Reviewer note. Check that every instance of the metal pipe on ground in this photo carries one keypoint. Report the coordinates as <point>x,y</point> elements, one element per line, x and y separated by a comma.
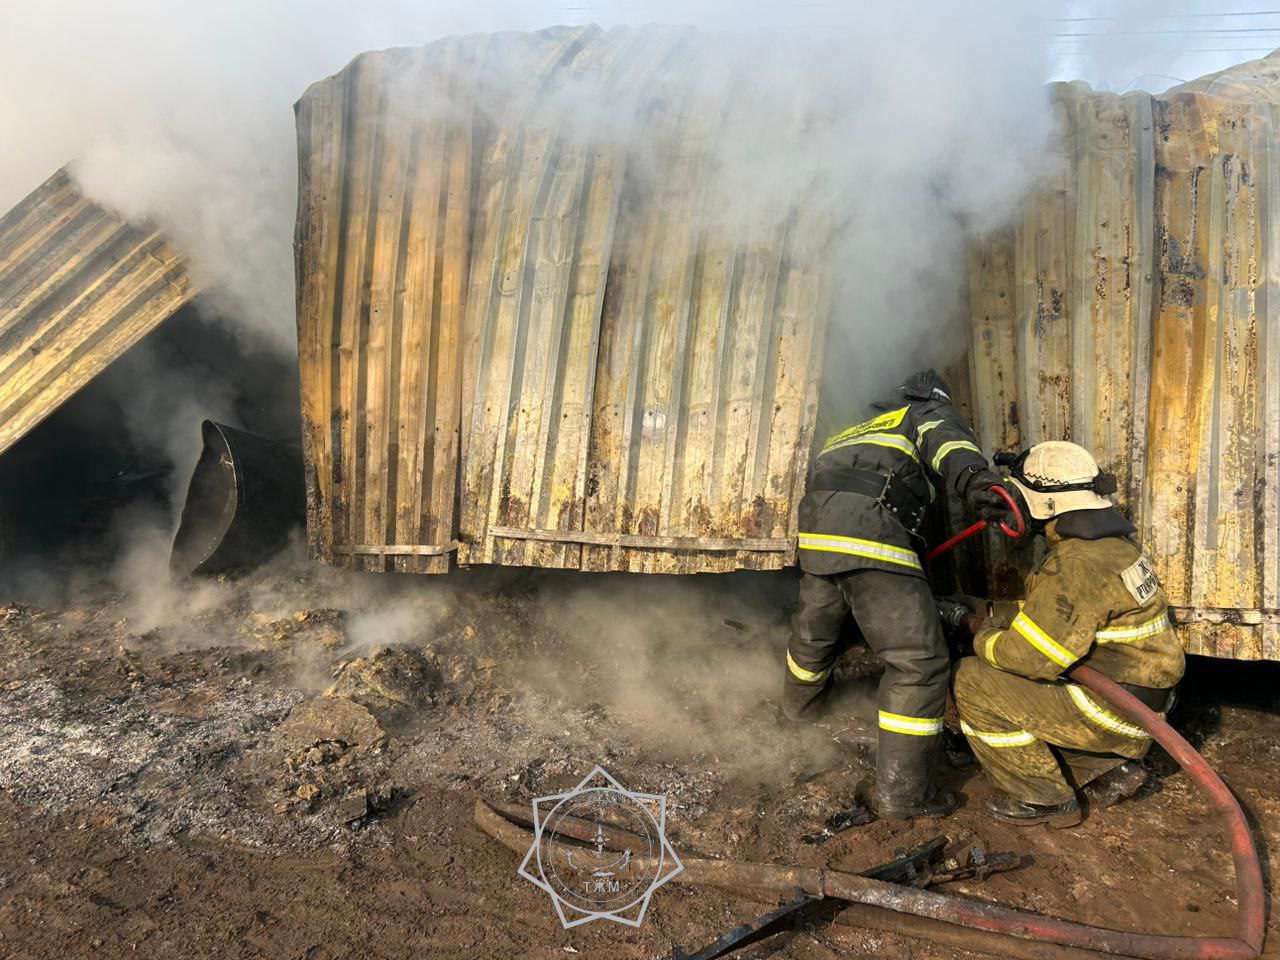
<point>974,922</point>
<point>770,883</point>
<point>246,495</point>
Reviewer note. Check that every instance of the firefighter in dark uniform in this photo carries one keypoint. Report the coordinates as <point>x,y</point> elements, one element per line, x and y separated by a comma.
<point>859,520</point>
<point>1095,598</point>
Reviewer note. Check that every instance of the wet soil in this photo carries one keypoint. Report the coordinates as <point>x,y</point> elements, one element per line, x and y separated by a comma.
<point>284,784</point>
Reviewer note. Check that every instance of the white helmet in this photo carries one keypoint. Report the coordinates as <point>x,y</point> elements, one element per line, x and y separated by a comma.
<point>1058,476</point>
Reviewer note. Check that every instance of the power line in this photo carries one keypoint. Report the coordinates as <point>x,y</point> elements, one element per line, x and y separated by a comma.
<point>1083,52</point>
<point>1165,41</point>
<point>1164,49</point>
<point>1143,76</point>
<point>1162,33</point>
<point>1170,16</point>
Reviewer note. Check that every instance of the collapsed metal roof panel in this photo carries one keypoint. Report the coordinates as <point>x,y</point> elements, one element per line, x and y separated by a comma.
<point>78,287</point>
<point>518,348</point>
<point>1135,308</point>
<point>1252,80</point>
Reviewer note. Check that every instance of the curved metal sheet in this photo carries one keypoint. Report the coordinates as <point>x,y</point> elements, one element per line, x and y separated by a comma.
<point>78,287</point>
<point>518,343</point>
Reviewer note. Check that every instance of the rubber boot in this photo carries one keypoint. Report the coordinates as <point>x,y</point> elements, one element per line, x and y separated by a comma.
<point>1116,785</point>
<point>907,779</point>
<point>1006,809</point>
<point>956,750</point>
<point>805,701</point>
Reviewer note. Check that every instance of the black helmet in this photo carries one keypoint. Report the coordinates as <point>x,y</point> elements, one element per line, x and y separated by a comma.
<point>925,385</point>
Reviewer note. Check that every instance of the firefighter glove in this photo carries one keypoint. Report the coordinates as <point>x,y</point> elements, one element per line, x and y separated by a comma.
<point>986,503</point>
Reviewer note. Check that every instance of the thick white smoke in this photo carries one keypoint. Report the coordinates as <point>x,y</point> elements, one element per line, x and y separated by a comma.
<point>182,113</point>
<point>923,124</point>
<point>926,123</point>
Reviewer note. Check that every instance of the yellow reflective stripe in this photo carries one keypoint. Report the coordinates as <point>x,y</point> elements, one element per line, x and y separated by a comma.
<point>893,441</point>
<point>1152,628</point>
<point>808,676</point>
<point>886,421</point>
<point>1105,718</point>
<point>925,428</point>
<point>989,648</point>
<point>869,549</point>
<point>915,726</point>
<point>1031,631</point>
<point>1017,738</point>
<point>951,447</point>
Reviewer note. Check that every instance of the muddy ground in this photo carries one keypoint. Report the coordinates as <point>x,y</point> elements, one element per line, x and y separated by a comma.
<point>284,765</point>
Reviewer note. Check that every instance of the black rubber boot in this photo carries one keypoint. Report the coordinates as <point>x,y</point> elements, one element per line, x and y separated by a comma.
<point>1116,785</point>
<point>941,804</point>
<point>1004,808</point>
<point>906,784</point>
<point>805,702</point>
<point>956,750</point>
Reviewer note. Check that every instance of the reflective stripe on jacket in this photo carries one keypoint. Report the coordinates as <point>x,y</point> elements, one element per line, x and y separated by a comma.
<point>1089,600</point>
<point>917,447</point>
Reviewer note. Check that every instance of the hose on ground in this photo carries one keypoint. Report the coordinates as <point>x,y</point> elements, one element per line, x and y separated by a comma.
<point>1008,925</point>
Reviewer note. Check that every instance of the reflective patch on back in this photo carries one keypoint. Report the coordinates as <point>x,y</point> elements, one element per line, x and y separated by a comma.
<point>886,421</point>
<point>1141,581</point>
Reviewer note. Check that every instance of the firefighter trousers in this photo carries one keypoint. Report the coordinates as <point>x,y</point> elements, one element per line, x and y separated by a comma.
<point>1039,740</point>
<point>897,615</point>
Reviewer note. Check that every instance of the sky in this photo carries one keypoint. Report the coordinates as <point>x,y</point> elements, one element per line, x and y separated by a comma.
<point>1118,45</point>
<point>1143,45</point>
<point>179,112</point>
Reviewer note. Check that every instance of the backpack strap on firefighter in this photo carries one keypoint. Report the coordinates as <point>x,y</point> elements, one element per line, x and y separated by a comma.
<point>884,489</point>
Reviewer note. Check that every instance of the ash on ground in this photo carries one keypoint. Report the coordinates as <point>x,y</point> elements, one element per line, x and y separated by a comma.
<point>298,704</point>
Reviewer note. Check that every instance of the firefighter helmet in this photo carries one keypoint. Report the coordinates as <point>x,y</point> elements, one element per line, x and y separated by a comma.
<point>925,385</point>
<point>1058,476</point>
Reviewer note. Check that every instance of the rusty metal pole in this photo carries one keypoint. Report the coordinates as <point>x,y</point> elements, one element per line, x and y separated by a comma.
<point>1005,921</point>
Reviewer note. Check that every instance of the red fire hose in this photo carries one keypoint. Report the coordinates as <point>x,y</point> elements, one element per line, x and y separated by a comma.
<point>1047,935</point>
<point>1250,892</point>
<point>994,918</point>
<point>1029,926</point>
<point>951,543</point>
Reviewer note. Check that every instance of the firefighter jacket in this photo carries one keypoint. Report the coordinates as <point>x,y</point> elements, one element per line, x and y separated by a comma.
<point>1094,599</point>
<point>873,482</point>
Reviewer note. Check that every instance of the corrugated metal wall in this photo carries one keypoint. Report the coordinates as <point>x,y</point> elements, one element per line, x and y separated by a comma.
<point>520,347</point>
<point>1133,309</point>
<point>78,287</point>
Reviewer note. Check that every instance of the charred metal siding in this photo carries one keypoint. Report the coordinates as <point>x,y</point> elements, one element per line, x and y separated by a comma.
<point>1134,309</point>
<point>78,287</point>
<point>515,349</point>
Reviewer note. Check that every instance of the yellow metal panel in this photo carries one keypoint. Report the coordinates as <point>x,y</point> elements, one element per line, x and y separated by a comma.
<point>1144,328</point>
<point>78,287</point>
<point>518,347</point>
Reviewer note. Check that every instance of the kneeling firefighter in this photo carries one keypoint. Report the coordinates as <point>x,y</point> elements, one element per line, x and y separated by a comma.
<point>1094,599</point>
<point>860,520</point>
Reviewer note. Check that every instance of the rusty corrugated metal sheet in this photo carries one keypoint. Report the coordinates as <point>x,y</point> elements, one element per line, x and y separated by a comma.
<point>1133,309</point>
<point>78,287</point>
<point>518,349</point>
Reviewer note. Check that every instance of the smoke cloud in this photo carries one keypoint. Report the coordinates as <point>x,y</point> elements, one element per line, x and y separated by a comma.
<point>183,114</point>
<point>915,125</point>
